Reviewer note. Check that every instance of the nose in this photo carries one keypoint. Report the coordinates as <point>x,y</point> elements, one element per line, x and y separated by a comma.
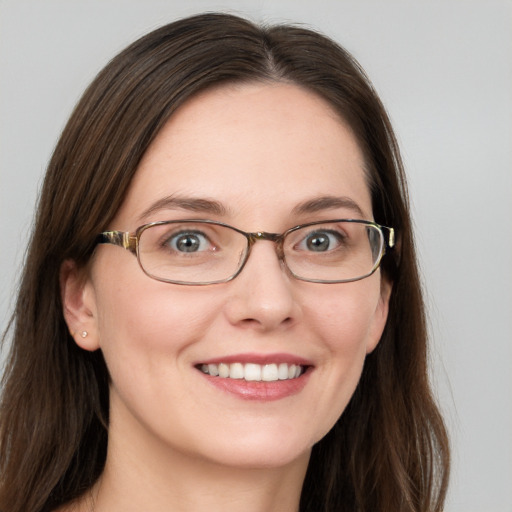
<point>263,296</point>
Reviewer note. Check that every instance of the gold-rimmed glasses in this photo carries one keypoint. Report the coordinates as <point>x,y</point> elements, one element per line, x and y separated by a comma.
<point>202,252</point>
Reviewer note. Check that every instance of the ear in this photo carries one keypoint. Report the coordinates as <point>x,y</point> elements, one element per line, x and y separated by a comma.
<point>79,307</point>
<point>380,316</point>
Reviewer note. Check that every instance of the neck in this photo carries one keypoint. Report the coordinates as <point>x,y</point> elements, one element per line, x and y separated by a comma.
<point>141,473</point>
<point>198,486</point>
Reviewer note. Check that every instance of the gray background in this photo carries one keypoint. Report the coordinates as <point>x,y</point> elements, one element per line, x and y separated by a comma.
<point>444,71</point>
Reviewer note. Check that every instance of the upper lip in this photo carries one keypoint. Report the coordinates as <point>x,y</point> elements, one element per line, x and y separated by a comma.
<point>256,358</point>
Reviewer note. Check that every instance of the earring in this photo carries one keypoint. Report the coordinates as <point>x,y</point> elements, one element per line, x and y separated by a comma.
<point>84,334</point>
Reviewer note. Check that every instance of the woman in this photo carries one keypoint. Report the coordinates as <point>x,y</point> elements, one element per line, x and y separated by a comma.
<point>261,343</point>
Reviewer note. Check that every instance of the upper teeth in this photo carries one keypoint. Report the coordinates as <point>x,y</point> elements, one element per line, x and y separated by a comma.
<point>254,372</point>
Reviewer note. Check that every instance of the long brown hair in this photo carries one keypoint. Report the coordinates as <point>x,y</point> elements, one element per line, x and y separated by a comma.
<point>389,449</point>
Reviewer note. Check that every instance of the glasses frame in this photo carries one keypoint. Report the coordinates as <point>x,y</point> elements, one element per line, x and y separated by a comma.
<point>130,241</point>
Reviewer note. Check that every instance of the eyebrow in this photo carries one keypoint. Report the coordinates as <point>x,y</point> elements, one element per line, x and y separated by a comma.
<point>211,206</point>
<point>327,203</point>
<point>201,205</point>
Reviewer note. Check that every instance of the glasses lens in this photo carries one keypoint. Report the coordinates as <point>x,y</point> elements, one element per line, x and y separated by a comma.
<point>334,251</point>
<point>191,252</point>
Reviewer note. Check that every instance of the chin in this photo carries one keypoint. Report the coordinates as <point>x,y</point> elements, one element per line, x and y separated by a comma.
<point>257,450</point>
<point>262,458</point>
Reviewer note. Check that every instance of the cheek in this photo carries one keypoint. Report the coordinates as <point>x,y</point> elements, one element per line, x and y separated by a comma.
<point>343,320</point>
<point>146,339</point>
<point>345,314</point>
<point>142,322</point>
<point>345,333</point>
<point>154,321</point>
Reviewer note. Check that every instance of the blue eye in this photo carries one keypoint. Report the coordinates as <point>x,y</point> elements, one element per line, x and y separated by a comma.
<point>190,241</point>
<point>321,241</point>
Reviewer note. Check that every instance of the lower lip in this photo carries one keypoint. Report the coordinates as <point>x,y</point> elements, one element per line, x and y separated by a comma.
<point>259,390</point>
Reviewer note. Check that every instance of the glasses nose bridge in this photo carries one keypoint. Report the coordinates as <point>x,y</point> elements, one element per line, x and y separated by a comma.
<point>277,238</point>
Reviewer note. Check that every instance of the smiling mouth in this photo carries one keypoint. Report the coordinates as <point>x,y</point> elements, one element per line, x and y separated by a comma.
<point>253,372</point>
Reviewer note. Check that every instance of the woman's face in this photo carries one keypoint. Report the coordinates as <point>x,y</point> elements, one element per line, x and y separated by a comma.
<point>260,157</point>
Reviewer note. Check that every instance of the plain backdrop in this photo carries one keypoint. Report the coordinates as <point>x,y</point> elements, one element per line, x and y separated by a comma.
<point>444,71</point>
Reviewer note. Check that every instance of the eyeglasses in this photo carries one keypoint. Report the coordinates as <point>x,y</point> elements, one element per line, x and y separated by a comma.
<point>201,252</point>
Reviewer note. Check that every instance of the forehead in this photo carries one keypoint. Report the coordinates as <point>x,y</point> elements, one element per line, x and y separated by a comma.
<point>251,147</point>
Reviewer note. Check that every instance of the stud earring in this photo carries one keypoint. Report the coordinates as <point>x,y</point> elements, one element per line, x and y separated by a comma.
<point>84,334</point>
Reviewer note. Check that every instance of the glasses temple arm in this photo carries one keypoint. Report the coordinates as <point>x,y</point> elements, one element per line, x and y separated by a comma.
<point>123,239</point>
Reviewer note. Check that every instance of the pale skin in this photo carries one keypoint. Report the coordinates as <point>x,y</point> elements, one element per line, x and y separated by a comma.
<point>175,441</point>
